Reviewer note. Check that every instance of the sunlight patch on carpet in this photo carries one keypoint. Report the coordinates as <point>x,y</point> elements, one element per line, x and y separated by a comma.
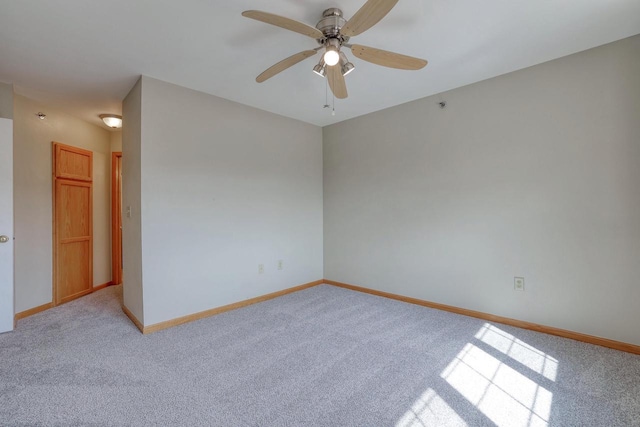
<point>505,395</point>
<point>531,357</point>
<point>430,410</point>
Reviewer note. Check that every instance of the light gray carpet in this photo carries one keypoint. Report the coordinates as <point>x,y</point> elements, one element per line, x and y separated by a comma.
<point>324,356</point>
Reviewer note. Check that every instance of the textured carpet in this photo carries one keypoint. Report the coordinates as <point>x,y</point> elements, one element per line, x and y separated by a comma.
<point>324,356</point>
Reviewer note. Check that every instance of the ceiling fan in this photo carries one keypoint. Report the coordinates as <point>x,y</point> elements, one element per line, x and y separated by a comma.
<point>332,33</point>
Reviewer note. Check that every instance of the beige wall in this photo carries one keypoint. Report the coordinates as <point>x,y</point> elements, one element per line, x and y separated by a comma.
<point>33,197</point>
<point>116,140</point>
<point>224,188</point>
<point>6,100</point>
<point>535,173</point>
<point>131,226</point>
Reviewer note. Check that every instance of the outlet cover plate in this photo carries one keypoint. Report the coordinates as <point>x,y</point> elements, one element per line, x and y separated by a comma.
<point>518,283</point>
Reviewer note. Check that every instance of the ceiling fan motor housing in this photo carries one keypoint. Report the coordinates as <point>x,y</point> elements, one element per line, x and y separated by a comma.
<point>331,23</point>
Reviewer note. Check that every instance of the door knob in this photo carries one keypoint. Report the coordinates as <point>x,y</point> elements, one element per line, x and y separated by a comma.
<point>4,239</point>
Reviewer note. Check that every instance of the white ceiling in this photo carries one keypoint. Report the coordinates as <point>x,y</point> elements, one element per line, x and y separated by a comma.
<point>84,55</point>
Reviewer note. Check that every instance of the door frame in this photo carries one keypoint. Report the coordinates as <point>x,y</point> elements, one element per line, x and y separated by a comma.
<point>116,218</point>
<point>7,226</point>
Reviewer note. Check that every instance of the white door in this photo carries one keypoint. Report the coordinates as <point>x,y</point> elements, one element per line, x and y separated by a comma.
<point>6,225</point>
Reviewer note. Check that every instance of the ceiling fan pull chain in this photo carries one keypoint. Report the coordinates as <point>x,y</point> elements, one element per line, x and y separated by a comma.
<point>333,110</point>
<point>326,96</point>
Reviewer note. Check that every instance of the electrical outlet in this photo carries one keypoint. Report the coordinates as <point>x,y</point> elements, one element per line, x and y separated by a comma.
<point>260,268</point>
<point>128,211</point>
<point>280,264</point>
<point>518,283</point>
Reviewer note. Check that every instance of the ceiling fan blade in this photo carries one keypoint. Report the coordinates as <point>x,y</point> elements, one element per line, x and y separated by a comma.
<point>336,81</point>
<point>367,16</point>
<point>386,58</point>
<point>282,22</point>
<point>284,64</point>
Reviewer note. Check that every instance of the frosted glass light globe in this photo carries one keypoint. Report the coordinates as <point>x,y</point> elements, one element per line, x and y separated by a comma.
<point>331,57</point>
<point>112,120</point>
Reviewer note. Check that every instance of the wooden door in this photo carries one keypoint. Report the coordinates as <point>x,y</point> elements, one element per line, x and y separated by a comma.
<point>72,223</point>
<point>6,225</point>
<point>116,217</point>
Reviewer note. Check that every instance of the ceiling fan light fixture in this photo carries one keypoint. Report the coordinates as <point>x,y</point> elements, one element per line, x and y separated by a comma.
<point>114,121</point>
<point>320,68</point>
<point>331,56</point>
<point>345,66</point>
